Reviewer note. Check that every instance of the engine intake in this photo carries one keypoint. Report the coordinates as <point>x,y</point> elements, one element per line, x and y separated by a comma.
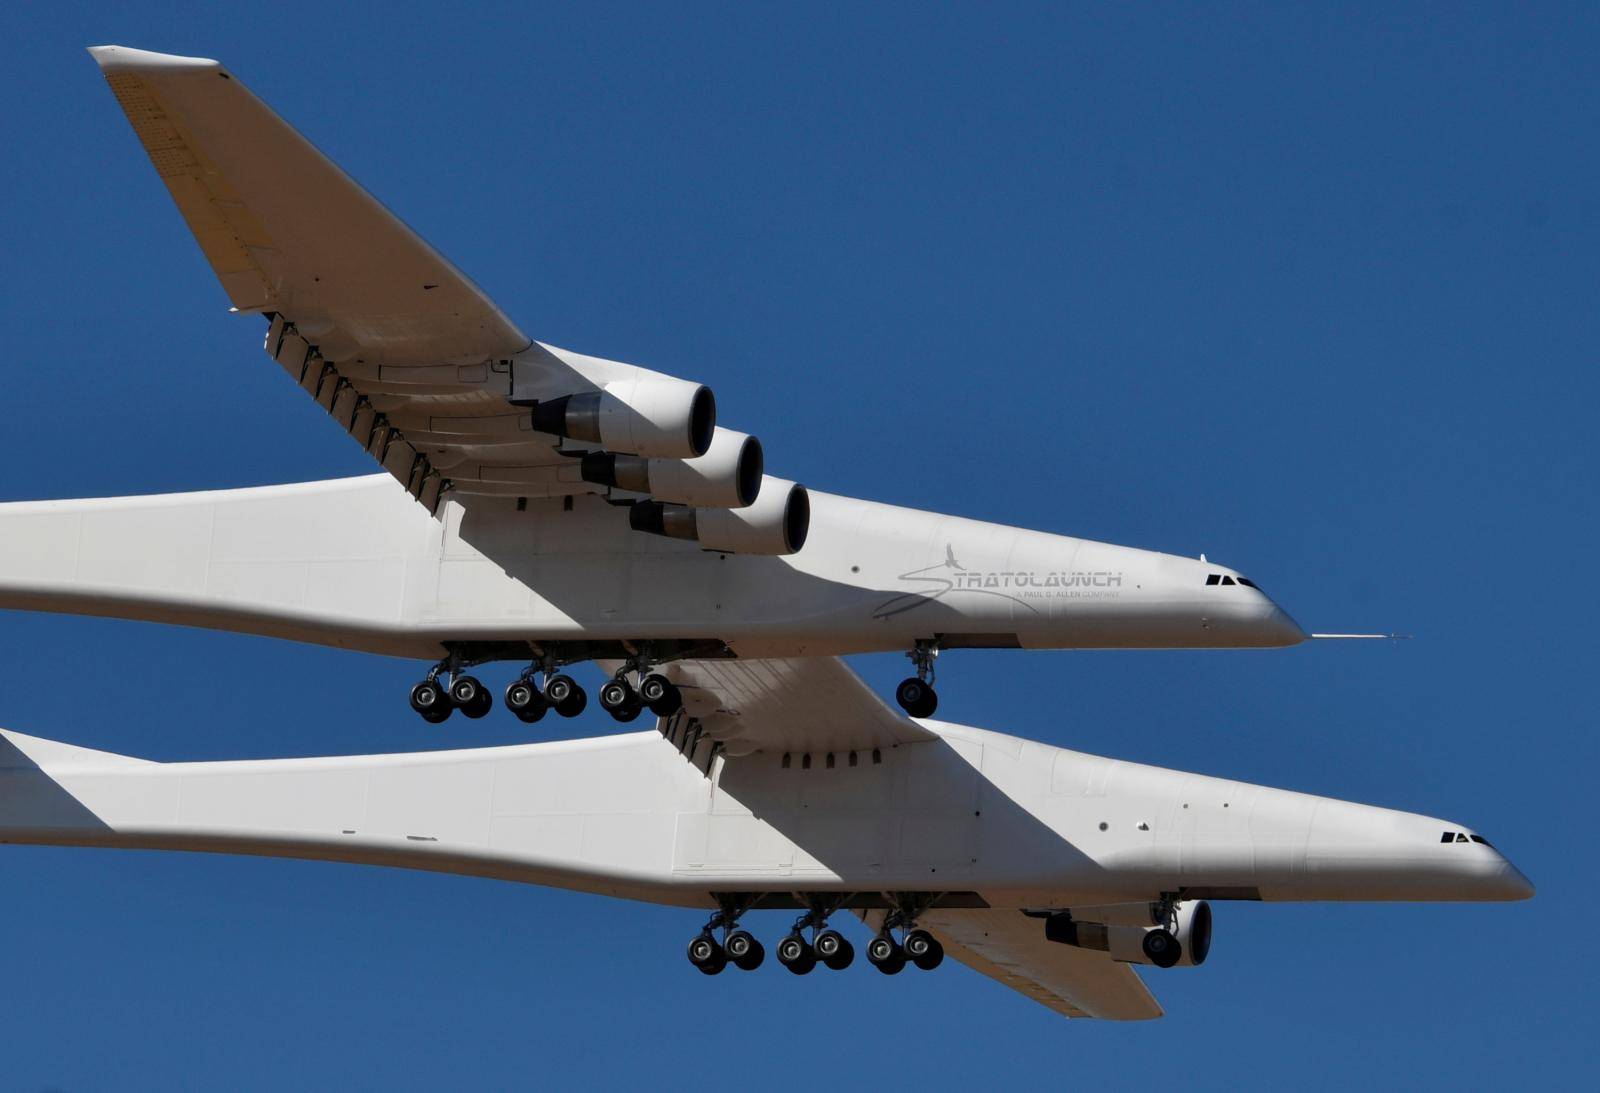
<point>658,417</point>
<point>776,523</point>
<point>728,476</point>
<point>1133,933</point>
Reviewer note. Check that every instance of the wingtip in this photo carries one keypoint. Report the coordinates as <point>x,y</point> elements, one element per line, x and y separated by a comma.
<point>125,58</point>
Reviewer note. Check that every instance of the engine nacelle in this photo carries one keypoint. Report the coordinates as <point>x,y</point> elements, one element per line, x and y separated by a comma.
<point>655,416</point>
<point>1133,932</point>
<point>777,523</point>
<point>727,476</point>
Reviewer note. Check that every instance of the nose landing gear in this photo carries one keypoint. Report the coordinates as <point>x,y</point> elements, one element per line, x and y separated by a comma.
<point>916,694</point>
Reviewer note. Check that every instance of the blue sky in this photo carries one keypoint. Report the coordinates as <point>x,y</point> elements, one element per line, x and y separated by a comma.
<point>1311,291</point>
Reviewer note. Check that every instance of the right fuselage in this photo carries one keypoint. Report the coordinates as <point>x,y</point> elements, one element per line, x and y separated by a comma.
<point>356,563</point>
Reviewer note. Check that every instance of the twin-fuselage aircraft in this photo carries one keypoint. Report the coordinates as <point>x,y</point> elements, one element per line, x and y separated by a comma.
<point>548,508</point>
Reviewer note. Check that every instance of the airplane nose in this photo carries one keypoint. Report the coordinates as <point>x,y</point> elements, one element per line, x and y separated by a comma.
<point>1283,628</point>
<point>1511,884</point>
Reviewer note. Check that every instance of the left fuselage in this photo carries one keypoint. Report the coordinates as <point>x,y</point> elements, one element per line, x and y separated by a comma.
<point>356,563</point>
<point>1007,822</point>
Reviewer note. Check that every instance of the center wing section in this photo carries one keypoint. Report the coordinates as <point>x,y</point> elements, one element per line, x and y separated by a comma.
<point>811,707</point>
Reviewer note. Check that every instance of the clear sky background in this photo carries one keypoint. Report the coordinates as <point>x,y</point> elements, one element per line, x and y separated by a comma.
<point>1310,291</point>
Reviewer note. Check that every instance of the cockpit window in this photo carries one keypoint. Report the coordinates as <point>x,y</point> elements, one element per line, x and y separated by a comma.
<point>1462,836</point>
<point>1223,578</point>
<point>1248,583</point>
<point>1213,578</point>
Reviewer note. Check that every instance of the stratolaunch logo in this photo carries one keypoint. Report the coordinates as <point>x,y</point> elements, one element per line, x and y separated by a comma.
<point>1018,586</point>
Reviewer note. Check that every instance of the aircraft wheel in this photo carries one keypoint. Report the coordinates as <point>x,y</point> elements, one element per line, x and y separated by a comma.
<point>524,700</point>
<point>660,694</point>
<point>565,695</point>
<point>885,954</point>
<point>707,955</point>
<point>617,699</point>
<point>468,695</point>
<point>429,700</point>
<point>916,697</point>
<point>1162,948</point>
<point>834,950</point>
<point>796,954</point>
<point>923,950</point>
<point>744,950</point>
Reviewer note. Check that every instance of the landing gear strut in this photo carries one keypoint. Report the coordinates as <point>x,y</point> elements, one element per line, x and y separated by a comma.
<point>827,946</point>
<point>737,947</point>
<point>435,701</point>
<point>917,946</point>
<point>654,692</point>
<point>916,695</point>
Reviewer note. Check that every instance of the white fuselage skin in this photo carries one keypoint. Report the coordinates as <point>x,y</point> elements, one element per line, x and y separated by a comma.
<point>356,563</point>
<point>1019,824</point>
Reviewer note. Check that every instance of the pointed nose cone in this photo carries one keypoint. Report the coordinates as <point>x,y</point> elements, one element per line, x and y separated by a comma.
<point>1511,884</point>
<point>1282,629</point>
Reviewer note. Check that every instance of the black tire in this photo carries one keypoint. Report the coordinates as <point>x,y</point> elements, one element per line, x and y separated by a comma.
<point>885,954</point>
<point>574,705</point>
<point>834,950</point>
<point>617,695</point>
<point>465,692</point>
<point>796,954</point>
<point>744,950</point>
<point>437,716</point>
<point>707,955</point>
<point>923,950</point>
<point>481,705</point>
<point>1162,948</point>
<point>524,699</point>
<point>916,697</point>
<point>428,697</point>
<point>627,713</point>
<point>563,693</point>
<point>660,695</point>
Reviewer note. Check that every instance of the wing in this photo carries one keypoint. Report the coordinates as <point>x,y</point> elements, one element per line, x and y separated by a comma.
<point>393,341</point>
<point>808,706</point>
<point>1011,947</point>
<point>287,231</point>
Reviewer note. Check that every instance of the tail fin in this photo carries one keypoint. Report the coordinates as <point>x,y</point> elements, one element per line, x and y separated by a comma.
<point>22,752</point>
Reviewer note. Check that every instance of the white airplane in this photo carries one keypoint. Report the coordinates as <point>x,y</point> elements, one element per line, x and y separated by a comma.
<point>788,784</point>
<point>539,505</point>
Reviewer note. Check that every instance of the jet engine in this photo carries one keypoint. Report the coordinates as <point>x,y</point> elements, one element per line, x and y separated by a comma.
<point>776,523</point>
<point>655,416</point>
<point>727,476</point>
<point>1135,933</point>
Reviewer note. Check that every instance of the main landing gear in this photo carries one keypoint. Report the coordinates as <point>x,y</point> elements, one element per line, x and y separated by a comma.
<point>827,946</point>
<point>655,692</point>
<point>636,687</point>
<point>916,695</point>
<point>737,947</point>
<point>560,693</point>
<point>435,701</point>
<point>915,946</point>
